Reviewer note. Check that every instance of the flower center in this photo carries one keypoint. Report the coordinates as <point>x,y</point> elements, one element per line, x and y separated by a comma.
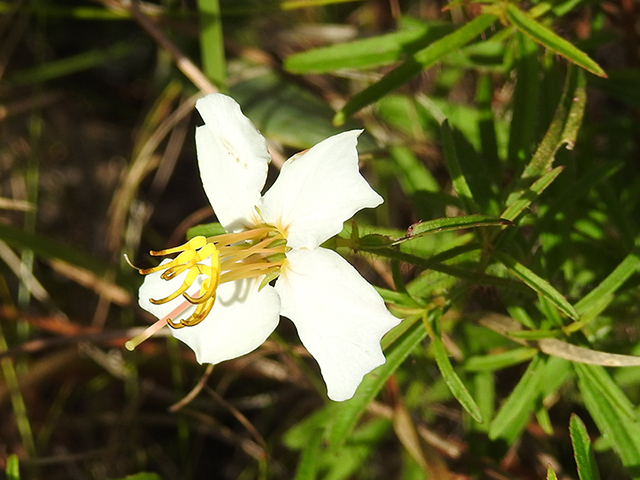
<point>223,258</point>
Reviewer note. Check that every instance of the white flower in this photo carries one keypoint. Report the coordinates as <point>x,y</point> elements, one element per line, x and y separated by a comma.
<point>218,288</point>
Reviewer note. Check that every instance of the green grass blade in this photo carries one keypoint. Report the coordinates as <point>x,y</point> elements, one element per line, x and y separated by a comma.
<point>551,474</point>
<point>514,414</point>
<point>550,40</point>
<point>583,450</point>
<point>451,378</point>
<point>48,248</point>
<point>368,52</point>
<point>12,469</point>
<point>417,63</point>
<point>544,288</point>
<point>346,414</point>
<point>212,42</point>
<point>67,66</point>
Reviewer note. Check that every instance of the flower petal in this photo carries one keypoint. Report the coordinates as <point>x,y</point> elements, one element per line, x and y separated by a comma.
<point>317,191</point>
<point>241,319</point>
<point>233,160</point>
<point>340,318</point>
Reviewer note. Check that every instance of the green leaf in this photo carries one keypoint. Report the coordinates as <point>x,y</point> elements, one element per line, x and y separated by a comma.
<point>522,199</point>
<point>550,40</point>
<point>514,414</point>
<point>551,474</point>
<point>582,449</point>
<point>142,476</point>
<point>69,65</point>
<point>525,101</point>
<point>451,378</point>
<point>212,42</point>
<point>309,462</point>
<point>458,179</point>
<point>609,409</point>
<point>564,126</point>
<point>50,249</point>
<point>538,284</point>
<point>369,52</point>
<point>413,66</point>
<point>596,376</point>
<point>205,230</point>
<point>415,174</point>
<point>285,112</point>
<point>606,288</point>
<point>497,361</point>
<point>346,414</point>
<point>12,469</point>
<point>451,223</point>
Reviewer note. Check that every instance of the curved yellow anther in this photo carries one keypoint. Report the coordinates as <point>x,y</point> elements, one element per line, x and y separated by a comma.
<point>193,244</point>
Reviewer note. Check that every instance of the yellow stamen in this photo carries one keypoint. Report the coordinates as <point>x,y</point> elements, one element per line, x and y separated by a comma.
<point>233,256</point>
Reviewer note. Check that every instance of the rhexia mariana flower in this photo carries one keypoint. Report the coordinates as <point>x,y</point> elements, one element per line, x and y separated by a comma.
<point>218,292</point>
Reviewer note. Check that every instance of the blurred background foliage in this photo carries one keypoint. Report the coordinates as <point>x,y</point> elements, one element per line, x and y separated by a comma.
<point>508,240</point>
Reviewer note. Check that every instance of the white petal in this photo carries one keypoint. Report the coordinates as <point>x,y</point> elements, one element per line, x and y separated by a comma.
<point>233,160</point>
<point>241,319</point>
<point>155,288</point>
<point>317,191</point>
<point>340,317</point>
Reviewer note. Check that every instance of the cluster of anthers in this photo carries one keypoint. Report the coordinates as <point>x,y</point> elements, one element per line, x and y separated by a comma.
<point>260,251</point>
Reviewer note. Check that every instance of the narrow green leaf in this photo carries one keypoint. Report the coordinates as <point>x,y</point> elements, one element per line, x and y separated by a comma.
<point>487,127</point>
<point>12,469</point>
<point>415,174</point>
<point>47,248</point>
<point>369,52</point>
<point>596,376</point>
<point>582,449</point>
<point>526,97</point>
<point>523,199</point>
<point>309,462</point>
<point>551,474</point>
<point>564,126</point>
<point>346,414</point>
<point>285,112</point>
<point>67,66</point>
<point>498,361</point>
<point>451,378</point>
<point>538,284</point>
<point>550,40</point>
<point>451,223</point>
<point>206,230</point>
<point>458,179</point>
<point>514,414</point>
<point>142,476</point>
<point>577,190</point>
<point>212,42</point>
<point>604,403</point>
<point>417,63</point>
<point>606,288</point>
